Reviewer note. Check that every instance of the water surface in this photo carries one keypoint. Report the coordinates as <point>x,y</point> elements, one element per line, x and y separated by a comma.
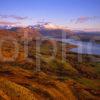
<point>84,47</point>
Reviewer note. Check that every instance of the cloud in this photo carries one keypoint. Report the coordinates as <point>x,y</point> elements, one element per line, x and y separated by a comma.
<point>83,19</point>
<point>14,17</point>
<point>92,29</point>
<point>18,17</point>
<point>8,23</point>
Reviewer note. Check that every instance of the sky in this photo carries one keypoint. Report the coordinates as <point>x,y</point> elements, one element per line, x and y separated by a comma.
<point>74,14</point>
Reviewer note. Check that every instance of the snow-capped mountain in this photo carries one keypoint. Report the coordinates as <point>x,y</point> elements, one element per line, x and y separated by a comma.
<point>5,27</point>
<point>47,26</point>
<point>51,30</point>
<point>45,29</point>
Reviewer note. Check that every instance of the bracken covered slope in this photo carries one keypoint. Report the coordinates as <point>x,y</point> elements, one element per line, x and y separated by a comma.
<point>56,79</point>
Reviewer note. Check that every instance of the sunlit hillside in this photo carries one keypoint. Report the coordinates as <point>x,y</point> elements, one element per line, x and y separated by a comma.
<point>56,80</point>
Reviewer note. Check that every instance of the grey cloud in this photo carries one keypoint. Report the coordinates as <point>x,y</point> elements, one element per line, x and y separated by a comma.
<point>8,23</point>
<point>14,17</point>
<point>83,19</point>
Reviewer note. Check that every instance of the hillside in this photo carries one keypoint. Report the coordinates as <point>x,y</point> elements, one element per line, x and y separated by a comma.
<point>56,80</point>
<point>87,36</point>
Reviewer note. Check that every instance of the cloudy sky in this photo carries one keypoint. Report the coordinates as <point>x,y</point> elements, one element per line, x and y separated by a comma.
<point>74,14</point>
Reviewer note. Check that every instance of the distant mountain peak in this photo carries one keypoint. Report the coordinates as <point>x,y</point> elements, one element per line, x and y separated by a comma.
<point>6,27</point>
<point>47,25</point>
<point>52,26</point>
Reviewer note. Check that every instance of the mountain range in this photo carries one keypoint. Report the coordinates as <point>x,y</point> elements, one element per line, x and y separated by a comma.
<point>50,30</point>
